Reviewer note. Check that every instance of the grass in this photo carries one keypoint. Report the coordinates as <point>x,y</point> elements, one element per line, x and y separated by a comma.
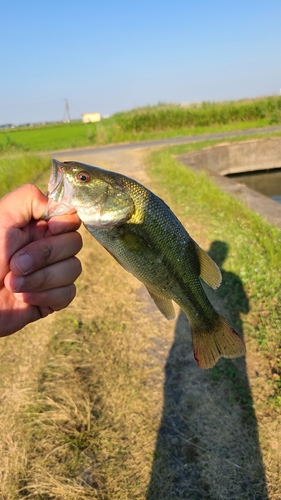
<point>47,137</point>
<point>204,114</point>
<point>113,406</point>
<point>89,426</point>
<point>152,122</point>
<point>92,439</point>
<point>250,233</point>
<point>72,442</point>
<point>15,171</point>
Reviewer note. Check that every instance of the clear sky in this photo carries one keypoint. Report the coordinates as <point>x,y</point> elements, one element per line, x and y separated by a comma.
<point>114,55</point>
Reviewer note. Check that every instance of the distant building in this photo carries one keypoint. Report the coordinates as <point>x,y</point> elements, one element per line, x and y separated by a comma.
<point>90,117</point>
<point>7,125</point>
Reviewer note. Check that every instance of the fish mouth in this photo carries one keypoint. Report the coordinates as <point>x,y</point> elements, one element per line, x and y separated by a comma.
<point>55,184</point>
<point>59,193</point>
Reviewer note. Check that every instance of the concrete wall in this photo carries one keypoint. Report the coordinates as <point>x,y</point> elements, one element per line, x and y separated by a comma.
<point>238,157</point>
<point>241,157</point>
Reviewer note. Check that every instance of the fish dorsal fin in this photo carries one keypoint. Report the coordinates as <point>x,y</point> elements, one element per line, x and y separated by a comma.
<point>164,304</point>
<point>209,271</point>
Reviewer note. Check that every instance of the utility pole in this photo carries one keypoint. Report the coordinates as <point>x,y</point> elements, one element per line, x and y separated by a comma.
<point>66,115</point>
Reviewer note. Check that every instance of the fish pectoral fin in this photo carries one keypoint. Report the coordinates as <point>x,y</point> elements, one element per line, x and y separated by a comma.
<point>209,271</point>
<point>164,304</point>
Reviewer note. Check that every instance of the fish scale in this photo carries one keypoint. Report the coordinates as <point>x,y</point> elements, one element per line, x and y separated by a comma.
<point>161,257</point>
<point>144,236</point>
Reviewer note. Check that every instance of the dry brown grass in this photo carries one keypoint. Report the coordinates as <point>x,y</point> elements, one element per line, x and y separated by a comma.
<point>90,427</point>
<point>20,361</point>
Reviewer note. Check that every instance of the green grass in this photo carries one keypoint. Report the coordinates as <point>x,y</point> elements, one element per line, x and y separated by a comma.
<point>205,114</point>
<point>20,170</point>
<point>253,245</point>
<point>152,122</point>
<point>47,137</point>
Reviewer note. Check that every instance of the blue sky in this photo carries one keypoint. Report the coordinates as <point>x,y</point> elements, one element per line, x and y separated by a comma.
<point>110,56</point>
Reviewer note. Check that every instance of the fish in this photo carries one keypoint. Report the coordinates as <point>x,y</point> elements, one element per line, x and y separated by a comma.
<point>145,237</point>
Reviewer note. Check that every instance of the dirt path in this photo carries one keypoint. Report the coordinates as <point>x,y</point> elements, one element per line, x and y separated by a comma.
<point>181,433</point>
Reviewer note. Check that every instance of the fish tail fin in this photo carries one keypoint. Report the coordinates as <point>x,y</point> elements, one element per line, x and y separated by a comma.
<point>221,341</point>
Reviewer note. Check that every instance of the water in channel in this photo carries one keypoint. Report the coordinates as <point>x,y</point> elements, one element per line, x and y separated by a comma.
<point>267,182</point>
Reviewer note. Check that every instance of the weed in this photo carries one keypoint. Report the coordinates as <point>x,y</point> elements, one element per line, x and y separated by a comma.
<point>161,121</point>
<point>11,146</point>
<point>15,171</point>
<point>204,115</point>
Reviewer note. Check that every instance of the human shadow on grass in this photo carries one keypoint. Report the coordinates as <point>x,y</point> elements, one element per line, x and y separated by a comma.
<point>207,445</point>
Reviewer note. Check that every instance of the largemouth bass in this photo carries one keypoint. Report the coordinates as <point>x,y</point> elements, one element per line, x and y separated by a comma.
<point>141,232</point>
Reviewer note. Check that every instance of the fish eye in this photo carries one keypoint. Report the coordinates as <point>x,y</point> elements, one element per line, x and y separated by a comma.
<point>83,177</point>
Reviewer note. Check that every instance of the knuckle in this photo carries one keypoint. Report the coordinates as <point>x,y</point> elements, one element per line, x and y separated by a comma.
<point>46,252</point>
<point>72,293</point>
<point>79,241</point>
<point>77,266</point>
<point>44,278</point>
<point>67,295</point>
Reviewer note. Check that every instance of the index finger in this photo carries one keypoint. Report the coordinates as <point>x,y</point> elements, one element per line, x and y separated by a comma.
<point>64,223</point>
<point>45,251</point>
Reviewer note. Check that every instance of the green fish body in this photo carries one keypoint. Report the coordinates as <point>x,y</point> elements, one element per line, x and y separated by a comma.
<point>141,232</point>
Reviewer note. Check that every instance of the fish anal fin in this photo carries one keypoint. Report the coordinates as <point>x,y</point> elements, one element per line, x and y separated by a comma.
<point>164,304</point>
<point>209,271</point>
<point>221,342</point>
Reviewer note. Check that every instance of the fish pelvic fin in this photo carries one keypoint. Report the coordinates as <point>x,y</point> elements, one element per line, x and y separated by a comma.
<point>220,342</point>
<point>164,304</point>
<point>209,271</point>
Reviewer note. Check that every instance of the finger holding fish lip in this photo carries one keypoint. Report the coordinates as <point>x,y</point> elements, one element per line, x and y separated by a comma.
<point>64,223</point>
<point>54,276</point>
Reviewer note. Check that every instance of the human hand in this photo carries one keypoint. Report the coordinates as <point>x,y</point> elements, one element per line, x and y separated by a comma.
<point>38,266</point>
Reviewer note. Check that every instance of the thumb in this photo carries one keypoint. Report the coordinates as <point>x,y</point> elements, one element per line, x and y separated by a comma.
<point>17,209</point>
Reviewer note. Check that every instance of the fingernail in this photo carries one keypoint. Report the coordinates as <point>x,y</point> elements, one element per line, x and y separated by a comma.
<point>24,263</point>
